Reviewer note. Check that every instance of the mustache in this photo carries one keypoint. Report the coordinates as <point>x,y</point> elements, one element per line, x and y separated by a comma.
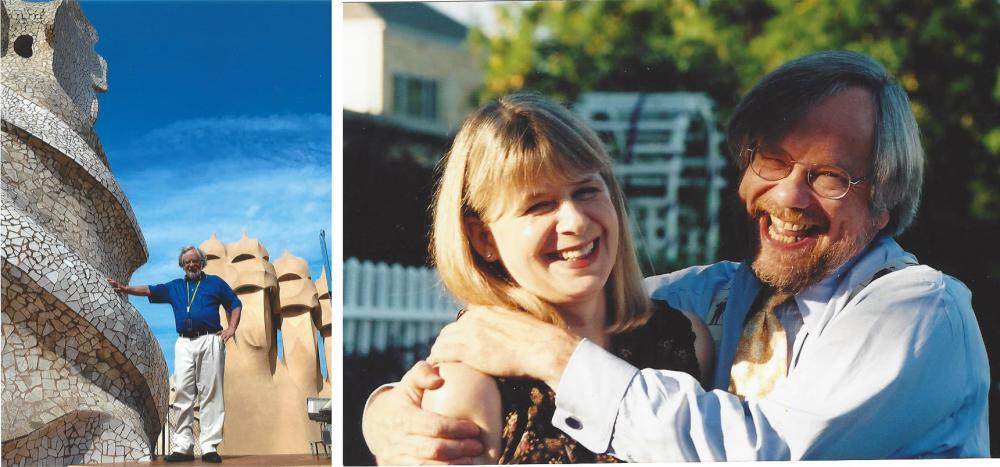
<point>795,215</point>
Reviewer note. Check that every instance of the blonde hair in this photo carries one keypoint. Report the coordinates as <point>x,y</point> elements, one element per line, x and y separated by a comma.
<point>509,144</point>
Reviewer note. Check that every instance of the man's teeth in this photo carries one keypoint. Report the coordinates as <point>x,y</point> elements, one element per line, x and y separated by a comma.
<point>577,254</point>
<point>784,225</point>
<point>781,238</point>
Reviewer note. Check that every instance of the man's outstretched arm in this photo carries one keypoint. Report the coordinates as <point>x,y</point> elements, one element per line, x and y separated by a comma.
<point>140,290</point>
<point>856,393</point>
<point>399,432</point>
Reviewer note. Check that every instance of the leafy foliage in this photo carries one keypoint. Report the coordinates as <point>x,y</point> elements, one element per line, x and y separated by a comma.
<point>947,56</point>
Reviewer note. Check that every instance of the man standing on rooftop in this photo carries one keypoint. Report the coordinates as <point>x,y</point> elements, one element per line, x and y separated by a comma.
<point>200,351</point>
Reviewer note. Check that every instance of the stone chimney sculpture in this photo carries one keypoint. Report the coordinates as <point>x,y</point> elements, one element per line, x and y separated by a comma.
<point>84,380</point>
<point>265,395</point>
<point>324,323</point>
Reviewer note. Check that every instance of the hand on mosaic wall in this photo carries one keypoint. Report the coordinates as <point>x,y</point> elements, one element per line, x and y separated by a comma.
<point>141,290</point>
<point>117,286</point>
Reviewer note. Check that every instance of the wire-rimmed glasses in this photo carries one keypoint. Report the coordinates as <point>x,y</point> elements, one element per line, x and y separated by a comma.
<point>828,181</point>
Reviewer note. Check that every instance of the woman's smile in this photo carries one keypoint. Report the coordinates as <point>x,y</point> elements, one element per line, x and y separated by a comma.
<point>559,241</point>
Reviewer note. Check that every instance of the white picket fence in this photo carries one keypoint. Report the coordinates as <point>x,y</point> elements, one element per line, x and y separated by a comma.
<point>392,307</point>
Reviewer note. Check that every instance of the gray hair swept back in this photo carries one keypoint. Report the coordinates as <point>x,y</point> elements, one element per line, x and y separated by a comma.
<point>188,248</point>
<point>786,94</point>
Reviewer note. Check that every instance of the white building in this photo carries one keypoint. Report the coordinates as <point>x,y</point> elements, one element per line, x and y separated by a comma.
<point>410,64</point>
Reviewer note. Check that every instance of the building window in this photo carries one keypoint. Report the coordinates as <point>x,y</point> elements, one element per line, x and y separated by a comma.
<point>415,97</point>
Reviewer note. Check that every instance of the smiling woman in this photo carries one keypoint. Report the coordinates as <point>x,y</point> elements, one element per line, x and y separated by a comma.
<point>560,239</point>
<point>529,217</point>
<point>524,164</point>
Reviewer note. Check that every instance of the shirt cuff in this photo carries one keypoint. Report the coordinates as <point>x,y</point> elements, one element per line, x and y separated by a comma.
<point>589,394</point>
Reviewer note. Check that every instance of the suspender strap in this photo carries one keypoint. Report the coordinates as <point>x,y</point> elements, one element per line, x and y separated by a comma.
<point>721,298</point>
<point>892,266</point>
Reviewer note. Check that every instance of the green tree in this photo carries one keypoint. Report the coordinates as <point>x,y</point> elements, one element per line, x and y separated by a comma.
<point>564,48</point>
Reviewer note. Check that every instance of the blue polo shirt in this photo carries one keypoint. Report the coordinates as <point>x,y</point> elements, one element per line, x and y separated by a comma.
<point>206,296</point>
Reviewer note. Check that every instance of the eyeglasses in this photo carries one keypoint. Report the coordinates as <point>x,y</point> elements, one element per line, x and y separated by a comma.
<point>828,181</point>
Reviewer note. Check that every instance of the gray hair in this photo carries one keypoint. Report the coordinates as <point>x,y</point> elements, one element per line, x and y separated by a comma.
<point>188,248</point>
<point>786,94</point>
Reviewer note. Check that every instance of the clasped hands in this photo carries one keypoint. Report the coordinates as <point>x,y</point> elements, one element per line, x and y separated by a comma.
<point>493,341</point>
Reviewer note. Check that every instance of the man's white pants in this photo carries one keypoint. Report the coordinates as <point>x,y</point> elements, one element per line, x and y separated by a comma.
<point>199,366</point>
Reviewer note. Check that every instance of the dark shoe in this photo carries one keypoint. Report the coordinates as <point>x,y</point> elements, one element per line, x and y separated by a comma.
<point>178,457</point>
<point>212,457</point>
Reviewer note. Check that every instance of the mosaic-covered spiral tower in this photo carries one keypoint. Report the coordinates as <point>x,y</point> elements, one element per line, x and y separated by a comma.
<point>84,379</point>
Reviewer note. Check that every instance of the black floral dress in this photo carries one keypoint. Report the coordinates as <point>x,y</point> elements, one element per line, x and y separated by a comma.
<point>665,342</point>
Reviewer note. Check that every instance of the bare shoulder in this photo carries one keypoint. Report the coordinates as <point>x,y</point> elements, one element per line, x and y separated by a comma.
<point>469,394</point>
<point>465,391</point>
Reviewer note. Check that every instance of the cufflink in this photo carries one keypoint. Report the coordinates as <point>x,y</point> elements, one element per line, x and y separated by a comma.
<point>573,423</point>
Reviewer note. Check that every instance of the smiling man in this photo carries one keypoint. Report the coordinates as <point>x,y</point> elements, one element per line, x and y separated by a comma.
<point>833,342</point>
<point>200,352</point>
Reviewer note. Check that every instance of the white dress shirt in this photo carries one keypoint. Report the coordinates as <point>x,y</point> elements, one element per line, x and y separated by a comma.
<point>892,369</point>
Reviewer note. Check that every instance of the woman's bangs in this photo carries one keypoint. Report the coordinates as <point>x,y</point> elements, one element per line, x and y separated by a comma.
<point>523,169</point>
<point>518,153</point>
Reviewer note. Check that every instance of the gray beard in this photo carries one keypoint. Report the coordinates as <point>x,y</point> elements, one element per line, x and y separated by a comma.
<point>795,273</point>
<point>192,276</point>
<point>792,280</point>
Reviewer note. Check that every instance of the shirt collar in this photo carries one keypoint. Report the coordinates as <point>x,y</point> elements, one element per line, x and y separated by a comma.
<point>818,298</point>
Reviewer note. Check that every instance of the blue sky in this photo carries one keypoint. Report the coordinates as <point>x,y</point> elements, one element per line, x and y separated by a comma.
<point>217,119</point>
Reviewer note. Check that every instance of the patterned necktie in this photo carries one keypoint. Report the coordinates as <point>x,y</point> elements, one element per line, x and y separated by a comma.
<point>761,360</point>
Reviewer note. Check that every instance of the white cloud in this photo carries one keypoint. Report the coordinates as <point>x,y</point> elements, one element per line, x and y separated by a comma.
<point>222,143</point>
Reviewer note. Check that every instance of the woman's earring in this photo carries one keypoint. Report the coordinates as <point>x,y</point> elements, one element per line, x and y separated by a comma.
<point>489,255</point>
